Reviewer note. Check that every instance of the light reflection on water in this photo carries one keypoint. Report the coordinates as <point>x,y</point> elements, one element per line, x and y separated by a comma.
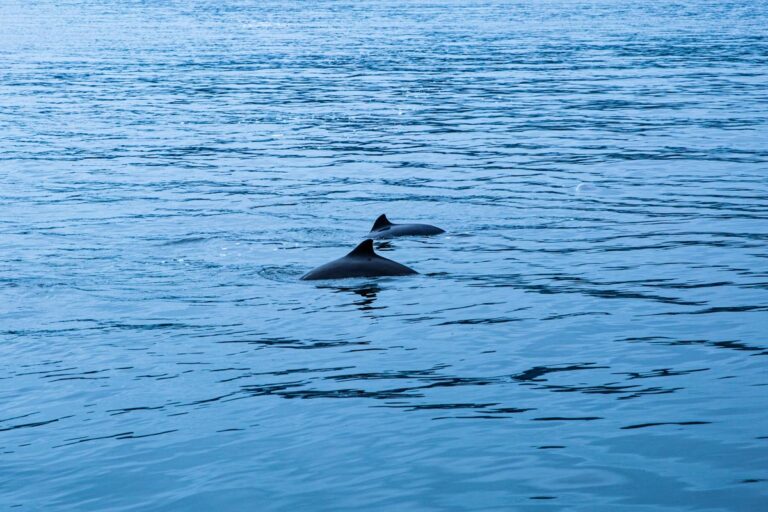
<point>588,335</point>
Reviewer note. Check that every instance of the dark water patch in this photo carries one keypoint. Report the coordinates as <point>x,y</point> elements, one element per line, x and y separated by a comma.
<point>171,172</point>
<point>118,436</point>
<point>659,424</point>
<point>535,374</point>
<point>17,417</point>
<point>32,424</point>
<point>553,288</point>
<point>726,344</point>
<point>662,372</point>
<point>561,418</point>
<point>719,309</point>
<point>116,412</point>
<point>471,321</point>
<point>279,342</point>
<point>185,241</point>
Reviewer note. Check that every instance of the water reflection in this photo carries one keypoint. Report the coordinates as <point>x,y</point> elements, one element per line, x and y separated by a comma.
<point>368,292</point>
<point>602,283</point>
<point>384,246</point>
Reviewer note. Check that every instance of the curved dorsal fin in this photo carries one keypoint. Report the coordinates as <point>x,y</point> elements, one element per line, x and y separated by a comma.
<point>364,249</point>
<point>381,223</point>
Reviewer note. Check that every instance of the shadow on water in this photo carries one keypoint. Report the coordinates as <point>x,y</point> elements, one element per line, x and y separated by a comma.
<point>175,171</point>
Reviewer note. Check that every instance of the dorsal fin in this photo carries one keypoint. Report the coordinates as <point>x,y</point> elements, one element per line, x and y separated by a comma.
<point>364,249</point>
<point>381,223</point>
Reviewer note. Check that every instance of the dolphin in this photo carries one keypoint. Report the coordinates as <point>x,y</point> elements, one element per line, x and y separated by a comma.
<point>361,262</point>
<point>382,228</point>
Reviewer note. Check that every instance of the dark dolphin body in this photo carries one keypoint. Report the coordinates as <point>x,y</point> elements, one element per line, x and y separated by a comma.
<point>382,228</point>
<point>361,262</point>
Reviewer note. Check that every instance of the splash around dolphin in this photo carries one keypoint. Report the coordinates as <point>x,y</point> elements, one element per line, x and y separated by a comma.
<point>361,262</point>
<point>383,228</point>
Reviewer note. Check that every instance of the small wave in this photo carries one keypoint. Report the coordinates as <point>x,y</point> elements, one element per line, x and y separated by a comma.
<point>185,241</point>
<point>281,274</point>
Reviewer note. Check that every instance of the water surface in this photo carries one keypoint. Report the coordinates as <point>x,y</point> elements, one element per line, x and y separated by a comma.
<point>590,333</point>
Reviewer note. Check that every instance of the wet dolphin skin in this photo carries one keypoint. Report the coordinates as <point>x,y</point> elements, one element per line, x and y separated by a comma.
<point>383,228</point>
<point>361,262</point>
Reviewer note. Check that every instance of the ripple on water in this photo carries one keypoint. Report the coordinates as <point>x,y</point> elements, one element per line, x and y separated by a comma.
<point>587,335</point>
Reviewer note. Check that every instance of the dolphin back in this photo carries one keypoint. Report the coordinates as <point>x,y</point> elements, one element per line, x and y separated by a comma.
<point>362,261</point>
<point>394,230</point>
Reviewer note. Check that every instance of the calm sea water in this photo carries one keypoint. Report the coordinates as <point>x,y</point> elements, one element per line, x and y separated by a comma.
<point>589,335</point>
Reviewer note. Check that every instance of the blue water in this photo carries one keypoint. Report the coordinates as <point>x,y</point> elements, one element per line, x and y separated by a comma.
<point>589,335</point>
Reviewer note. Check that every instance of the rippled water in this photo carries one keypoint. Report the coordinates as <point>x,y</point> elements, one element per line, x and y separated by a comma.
<point>589,335</point>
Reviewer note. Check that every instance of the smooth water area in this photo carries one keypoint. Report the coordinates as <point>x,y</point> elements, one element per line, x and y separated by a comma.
<point>590,334</point>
